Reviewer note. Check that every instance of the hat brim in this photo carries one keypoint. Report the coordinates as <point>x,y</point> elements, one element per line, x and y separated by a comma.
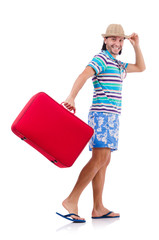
<point>115,35</point>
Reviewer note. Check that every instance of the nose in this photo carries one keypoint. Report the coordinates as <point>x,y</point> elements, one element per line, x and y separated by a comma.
<point>117,43</point>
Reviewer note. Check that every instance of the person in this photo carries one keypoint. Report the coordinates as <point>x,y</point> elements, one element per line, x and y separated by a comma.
<point>107,75</point>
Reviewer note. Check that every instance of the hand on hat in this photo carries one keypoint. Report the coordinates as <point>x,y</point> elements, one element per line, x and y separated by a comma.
<point>134,39</point>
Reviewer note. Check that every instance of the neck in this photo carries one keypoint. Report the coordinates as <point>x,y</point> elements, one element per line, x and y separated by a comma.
<point>113,55</point>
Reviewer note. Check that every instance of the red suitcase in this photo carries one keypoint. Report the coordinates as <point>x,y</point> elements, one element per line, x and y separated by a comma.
<point>52,130</point>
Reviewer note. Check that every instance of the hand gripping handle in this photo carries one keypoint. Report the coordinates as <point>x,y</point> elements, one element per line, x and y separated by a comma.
<point>74,110</point>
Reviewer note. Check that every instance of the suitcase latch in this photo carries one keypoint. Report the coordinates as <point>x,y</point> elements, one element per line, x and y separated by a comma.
<point>23,138</point>
<point>54,161</point>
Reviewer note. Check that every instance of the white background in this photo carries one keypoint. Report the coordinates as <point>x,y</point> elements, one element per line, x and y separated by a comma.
<point>44,46</point>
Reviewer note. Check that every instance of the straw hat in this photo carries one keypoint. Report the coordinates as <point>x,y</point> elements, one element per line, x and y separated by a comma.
<point>114,30</point>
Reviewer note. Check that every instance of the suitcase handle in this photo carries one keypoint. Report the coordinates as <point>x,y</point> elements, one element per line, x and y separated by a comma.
<point>74,111</point>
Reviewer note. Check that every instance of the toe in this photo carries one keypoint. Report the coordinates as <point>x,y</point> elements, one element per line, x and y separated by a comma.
<point>114,214</point>
<point>77,217</point>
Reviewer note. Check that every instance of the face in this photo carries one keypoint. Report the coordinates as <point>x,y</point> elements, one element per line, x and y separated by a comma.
<point>114,44</point>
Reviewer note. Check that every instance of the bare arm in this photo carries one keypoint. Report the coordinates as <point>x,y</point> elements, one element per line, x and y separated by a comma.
<point>80,81</point>
<point>139,66</point>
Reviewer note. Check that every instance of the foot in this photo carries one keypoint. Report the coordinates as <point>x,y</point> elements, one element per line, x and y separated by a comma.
<point>102,211</point>
<point>71,208</point>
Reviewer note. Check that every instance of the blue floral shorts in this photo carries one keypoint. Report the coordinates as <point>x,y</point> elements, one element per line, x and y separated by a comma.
<point>106,130</point>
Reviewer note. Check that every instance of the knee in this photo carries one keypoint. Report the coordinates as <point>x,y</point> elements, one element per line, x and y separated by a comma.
<point>103,161</point>
<point>107,161</point>
<point>102,158</point>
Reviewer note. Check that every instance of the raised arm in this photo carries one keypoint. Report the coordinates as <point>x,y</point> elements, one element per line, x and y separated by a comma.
<point>139,66</point>
<point>80,81</point>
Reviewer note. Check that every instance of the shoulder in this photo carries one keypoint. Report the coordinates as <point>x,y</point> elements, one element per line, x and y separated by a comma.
<point>102,53</point>
<point>101,56</point>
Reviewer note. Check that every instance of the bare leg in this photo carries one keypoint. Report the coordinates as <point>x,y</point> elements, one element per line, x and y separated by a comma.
<point>98,160</point>
<point>98,185</point>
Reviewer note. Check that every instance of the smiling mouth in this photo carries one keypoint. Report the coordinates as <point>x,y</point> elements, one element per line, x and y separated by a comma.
<point>115,48</point>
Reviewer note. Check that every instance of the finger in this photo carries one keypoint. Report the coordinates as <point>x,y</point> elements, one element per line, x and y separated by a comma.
<point>132,35</point>
<point>129,38</point>
<point>70,107</point>
<point>67,104</point>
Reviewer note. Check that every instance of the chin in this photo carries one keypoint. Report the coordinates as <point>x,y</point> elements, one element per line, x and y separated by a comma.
<point>114,53</point>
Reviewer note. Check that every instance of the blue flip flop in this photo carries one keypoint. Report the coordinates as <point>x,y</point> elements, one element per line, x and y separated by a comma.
<point>106,216</point>
<point>68,217</point>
